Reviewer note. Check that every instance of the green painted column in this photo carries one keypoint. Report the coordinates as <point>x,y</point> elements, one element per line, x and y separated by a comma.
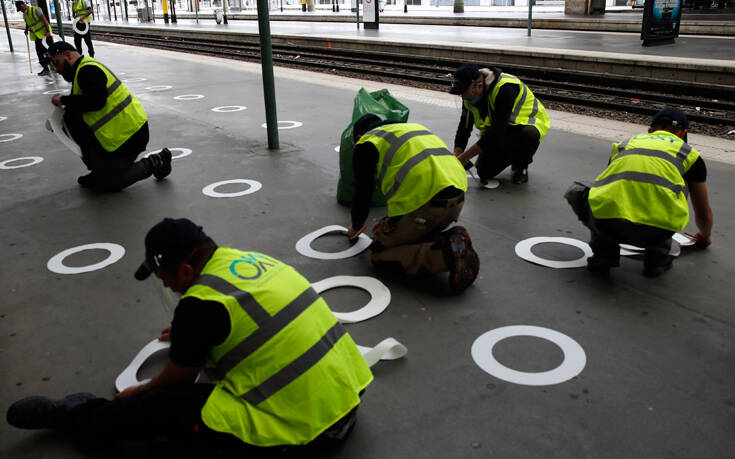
<point>266,62</point>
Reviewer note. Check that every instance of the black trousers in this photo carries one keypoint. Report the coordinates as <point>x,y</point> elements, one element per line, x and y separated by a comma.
<point>607,234</point>
<point>174,413</point>
<point>43,58</point>
<point>515,150</point>
<point>111,171</point>
<point>87,39</point>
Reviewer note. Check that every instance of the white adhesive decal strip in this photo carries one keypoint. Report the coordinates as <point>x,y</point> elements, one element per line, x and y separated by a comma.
<point>303,246</point>
<point>183,152</point>
<point>77,29</point>
<point>55,124</point>
<point>523,250</point>
<point>290,125</point>
<point>189,97</point>
<point>388,349</point>
<point>3,118</point>
<point>32,161</point>
<point>573,363</point>
<point>254,186</point>
<point>491,184</point>
<point>55,91</point>
<point>160,87</point>
<point>56,263</point>
<point>129,376</point>
<point>10,138</point>
<point>229,108</point>
<point>379,296</point>
<point>683,239</point>
<point>336,148</point>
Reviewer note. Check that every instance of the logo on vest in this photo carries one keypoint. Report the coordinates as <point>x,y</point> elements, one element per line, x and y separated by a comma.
<point>252,266</point>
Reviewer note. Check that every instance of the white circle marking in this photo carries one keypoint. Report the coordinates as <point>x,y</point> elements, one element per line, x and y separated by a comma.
<point>160,87</point>
<point>523,250</point>
<point>134,80</point>
<point>303,245</point>
<point>12,137</point>
<point>189,97</point>
<point>379,296</point>
<point>573,363</point>
<point>55,91</point>
<point>253,187</point>
<point>184,152</point>
<point>56,263</point>
<point>3,118</point>
<point>290,125</point>
<point>229,108</point>
<point>33,160</point>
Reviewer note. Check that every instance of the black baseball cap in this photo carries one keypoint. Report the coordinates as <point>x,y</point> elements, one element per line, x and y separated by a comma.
<point>465,75</point>
<point>59,47</point>
<point>169,242</point>
<point>18,4</point>
<point>366,123</point>
<point>672,116</point>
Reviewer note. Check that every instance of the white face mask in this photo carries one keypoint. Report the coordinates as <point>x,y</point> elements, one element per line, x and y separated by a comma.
<point>169,298</point>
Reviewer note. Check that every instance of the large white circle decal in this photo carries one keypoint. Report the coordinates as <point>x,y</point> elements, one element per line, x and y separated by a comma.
<point>523,250</point>
<point>573,363</point>
<point>56,263</point>
<point>286,124</point>
<point>33,160</point>
<point>55,91</point>
<point>229,108</point>
<point>379,296</point>
<point>303,246</point>
<point>182,152</point>
<point>189,97</point>
<point>161,87</point>
<point>253,187</point>
<point>10,138</point>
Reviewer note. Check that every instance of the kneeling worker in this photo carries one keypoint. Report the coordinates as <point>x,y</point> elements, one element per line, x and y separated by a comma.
<point>285,371</point>
<point>640,198</point>
<point>107,122</point>
<point>511,120</point>
<point>424,185</point>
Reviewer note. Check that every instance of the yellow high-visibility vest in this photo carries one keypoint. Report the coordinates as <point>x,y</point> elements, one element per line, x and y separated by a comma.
<point>288,370</point>
<point>644,182</point>
<point>36,28</point>
<point>413,165</point>
<point>80,9</point>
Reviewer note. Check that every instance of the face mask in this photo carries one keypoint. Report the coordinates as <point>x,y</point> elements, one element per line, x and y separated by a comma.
<point>476,100</point>
<point>68,72</point>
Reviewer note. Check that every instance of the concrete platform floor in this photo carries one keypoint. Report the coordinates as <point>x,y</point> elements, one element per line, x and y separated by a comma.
<point>660,353</point>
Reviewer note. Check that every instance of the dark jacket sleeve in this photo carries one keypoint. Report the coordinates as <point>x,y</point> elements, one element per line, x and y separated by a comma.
<point>364,165</point>
<point>93,83</point>
<point>464,129</point>
<point>494,136</point>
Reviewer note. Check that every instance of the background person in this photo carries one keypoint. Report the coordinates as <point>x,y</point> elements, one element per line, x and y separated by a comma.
<point>424,185</point>
<point>511,120</point>
<point>640,199</point>
<point>37,27</point>
<point>82,10</point>
<point>107,121</point>
<point>284,370</point>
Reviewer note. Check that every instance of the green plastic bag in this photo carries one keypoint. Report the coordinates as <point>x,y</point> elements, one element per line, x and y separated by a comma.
<point>387,107</point>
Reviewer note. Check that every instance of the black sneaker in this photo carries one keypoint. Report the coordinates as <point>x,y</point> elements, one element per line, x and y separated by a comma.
<point>519,176</point>
<point>461,259</point>
<point>655,271</point>
<point>162,164</point>
<point>42,412</point>
<point>598,266</point>
<point>44,72</point>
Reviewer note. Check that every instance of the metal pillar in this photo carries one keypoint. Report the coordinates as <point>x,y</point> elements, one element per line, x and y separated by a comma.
<point>266,62</point>
<point>165,11</point>
<point>127,17</point>
<point>7,28</point>
<point>109,14</point>
<point>530,7</point>
<point>57,7</point>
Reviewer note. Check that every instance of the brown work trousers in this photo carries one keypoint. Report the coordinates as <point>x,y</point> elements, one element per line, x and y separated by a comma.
<point>411,239</point>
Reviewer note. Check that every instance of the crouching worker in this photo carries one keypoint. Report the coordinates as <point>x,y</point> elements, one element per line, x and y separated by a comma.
<point>285,371</point>
<point>424,185</point>
<point>640,198</point>
<point>107,122</point>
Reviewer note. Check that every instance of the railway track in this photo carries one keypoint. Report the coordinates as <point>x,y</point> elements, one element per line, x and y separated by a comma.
<point>707,104</point>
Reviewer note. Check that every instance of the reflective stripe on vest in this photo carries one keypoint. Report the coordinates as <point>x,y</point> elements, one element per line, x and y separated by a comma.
<point>283,344</point>
<point>120,118</point>
<point>32,17</point>
<point>410,152</point>
<point>80,9</point>
<point>527,110</point>
<point>644,182</point>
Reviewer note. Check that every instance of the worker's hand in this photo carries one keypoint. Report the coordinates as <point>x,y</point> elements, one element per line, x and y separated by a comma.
<point>458,151</point>
<point>352,233</point>
<point>129,391</point>
<point>702,241</point>
<point>56,100</point>
<point>165,334</point>
<point>376,226</point>
<point>48,34</point>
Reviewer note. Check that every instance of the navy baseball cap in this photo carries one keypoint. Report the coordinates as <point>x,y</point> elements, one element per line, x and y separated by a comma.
<point>18,4</point>
<point>168,242</point>
<point>59,47</point>
<point>366,123</point>
<point>465,75</point>
<point>672,116</point>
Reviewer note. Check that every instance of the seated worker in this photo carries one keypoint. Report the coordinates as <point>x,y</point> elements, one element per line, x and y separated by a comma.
<point>107,122</point>
<point>37,27</point>
<point>640,198</point>
<point>285,371</point>
<point>512,122</point>
<point>424,186</point>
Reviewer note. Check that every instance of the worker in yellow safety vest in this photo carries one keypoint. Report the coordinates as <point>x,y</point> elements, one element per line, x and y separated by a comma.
<point>511,120</point>
<point>37,28</point>
<point>424,186</point>
<point>283,369</point>
<point>640,198</point>
<point>82,10</point>
<point>107,122</point>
